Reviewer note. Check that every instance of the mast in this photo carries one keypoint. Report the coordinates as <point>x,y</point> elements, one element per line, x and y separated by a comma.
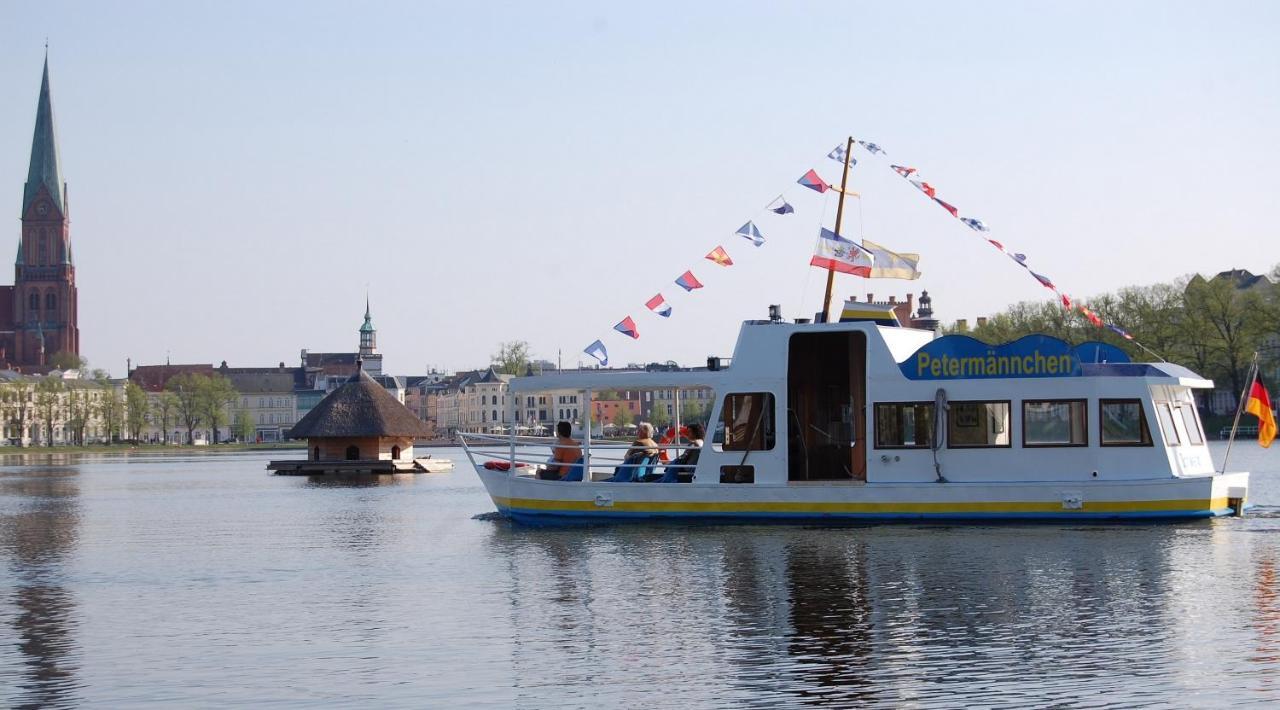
<point>831,274</point>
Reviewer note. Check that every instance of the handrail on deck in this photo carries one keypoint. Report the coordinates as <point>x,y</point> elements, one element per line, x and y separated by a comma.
<point>510,444</point>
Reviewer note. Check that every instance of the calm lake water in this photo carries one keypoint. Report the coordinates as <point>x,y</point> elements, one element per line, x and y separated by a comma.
<point>203,580</point>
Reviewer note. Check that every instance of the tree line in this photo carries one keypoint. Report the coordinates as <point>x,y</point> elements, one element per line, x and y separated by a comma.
<point>1212,326</point>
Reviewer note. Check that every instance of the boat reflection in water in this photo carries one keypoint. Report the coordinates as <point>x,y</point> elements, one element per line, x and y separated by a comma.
<point>919,614</point>
<point>39,531</point>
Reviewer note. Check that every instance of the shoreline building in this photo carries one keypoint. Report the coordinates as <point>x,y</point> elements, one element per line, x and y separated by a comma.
<point>38,313</point>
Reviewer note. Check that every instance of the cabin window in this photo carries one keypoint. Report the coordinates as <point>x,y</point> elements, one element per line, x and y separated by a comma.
<point>747,423</point>
<point>978,425</point>
<point>1124,423</point>
<point>1191,422</point>
<point>904,425</point>
<point>395,453</point>
<point>1054,423</point>
<point>315,454</point>
<point>1170,430</point>
<point>353,453</point>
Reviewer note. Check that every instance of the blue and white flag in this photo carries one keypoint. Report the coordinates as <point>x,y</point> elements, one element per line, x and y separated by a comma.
<point>871,147</point>
<point>749,231</point>
<point>597,351</point>
<point>838,155</point>
<point>780,206</point>
<point>975,224</point>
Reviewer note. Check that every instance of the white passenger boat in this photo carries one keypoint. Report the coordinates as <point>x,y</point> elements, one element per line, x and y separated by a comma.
<point>860,420</point>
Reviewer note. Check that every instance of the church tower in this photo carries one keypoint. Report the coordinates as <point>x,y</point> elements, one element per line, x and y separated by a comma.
<point>369,355</point>
<point>43,301</point>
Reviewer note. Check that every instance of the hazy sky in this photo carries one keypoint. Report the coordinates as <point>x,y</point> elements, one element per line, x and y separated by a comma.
<point>240,173</point>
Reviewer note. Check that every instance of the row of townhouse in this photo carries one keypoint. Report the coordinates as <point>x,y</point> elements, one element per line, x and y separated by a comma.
<point>477,401</point>
<point>70,412</point>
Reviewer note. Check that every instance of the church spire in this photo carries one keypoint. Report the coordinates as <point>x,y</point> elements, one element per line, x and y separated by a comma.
<point>46,168</point>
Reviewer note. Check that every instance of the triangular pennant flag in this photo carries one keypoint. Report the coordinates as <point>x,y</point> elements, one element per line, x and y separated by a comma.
<point>1093,317</point>
<point>975,224</point>
<point>598,351</point>
<point>813,182</point>
<point>871,147</point>
<point>780,206</point>
<point>1119,331</point>
<point>924,187</point>
<point>839,154</point>
<point>1044,281</point>
<point>749,231</point>
<point>720,256</point>
<point>903,170</point>
<point>688,281</point>
<point>954,212</point>
<point>1066,301</point>
<point>628,328</point>
<point>658,305</point>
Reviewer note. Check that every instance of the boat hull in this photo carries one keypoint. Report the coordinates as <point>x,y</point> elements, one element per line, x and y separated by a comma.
<point>540,502</point>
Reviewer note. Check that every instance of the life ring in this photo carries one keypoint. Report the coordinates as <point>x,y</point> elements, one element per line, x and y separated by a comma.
<point>498,465</point>
<point>670,437</point>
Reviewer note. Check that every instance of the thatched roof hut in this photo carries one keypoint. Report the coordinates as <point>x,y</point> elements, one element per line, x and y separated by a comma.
<point>360,423</point>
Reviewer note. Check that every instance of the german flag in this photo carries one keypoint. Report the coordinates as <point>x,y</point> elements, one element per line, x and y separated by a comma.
<point>1259,405</point>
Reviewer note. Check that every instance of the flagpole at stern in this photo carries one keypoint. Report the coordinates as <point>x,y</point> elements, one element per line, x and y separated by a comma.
<point>1248,387</point>
<point>831,274</point>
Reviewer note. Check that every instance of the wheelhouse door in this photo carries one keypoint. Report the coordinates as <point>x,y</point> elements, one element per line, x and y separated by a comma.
<point>826,405</point>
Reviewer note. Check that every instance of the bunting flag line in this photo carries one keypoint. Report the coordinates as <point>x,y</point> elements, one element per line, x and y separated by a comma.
<point>839,153</point>
<point>628,328</point>
<point>836,253</point>
<point>720,256</point>
<point>598,351</point>
<point>688,281</point>
<point>911,175</point>
<point>749,231</point>
<point>890,265</point>
<point>658,305</point>
<point>813,182</point>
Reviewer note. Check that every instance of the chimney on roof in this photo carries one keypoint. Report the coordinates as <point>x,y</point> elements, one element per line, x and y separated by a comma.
<point>870,297</point>
<point>893,299</point>
<point>982,320</point>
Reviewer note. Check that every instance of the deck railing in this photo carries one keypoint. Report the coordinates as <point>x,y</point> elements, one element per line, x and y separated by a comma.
<point>526,455</point>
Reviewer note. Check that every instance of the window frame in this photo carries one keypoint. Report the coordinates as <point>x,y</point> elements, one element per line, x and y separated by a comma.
<point>1142,420</point>
<point>1084,425</point>
<point>875,415</point>
<point>1167,408</point>
<point>769,432</point>
<point>1195,418</point>
<point>951,419</point>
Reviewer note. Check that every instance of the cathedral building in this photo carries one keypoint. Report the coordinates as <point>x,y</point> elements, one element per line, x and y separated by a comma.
<point>38,317</point>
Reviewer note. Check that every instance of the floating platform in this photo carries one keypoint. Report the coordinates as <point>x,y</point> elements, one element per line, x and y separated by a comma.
<point>296,467</point>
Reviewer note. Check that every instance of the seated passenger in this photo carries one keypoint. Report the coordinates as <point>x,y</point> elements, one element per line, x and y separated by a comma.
<point>689,457</point>
<point>644,445</point>
<point>681,468</point>
<point>565,454</point>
